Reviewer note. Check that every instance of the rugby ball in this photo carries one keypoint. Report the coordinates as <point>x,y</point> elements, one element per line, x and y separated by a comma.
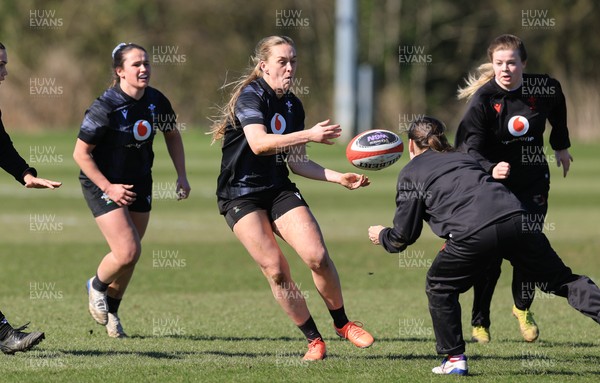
<point>374,149</point>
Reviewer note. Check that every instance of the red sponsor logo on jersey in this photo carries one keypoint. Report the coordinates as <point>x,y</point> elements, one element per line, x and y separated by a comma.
<point>497,107</point>
<point>278,124</point>
<point>142,130</point>
<point>518,126</point>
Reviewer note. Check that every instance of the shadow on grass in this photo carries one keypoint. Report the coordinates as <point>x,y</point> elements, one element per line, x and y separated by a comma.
<point>542,343</point>
<point>545,343</point>
<point>533,372</point>
<point>233,354</point>
<point>212,338</point>
<point>218,338</point>
<point>525,365</point>
<point>148,354</point>
<point>523,371</point>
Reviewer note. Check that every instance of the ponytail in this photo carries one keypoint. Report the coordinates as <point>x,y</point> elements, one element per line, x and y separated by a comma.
<point>227,112</point>
<point>428,133</point>
<point>484,73</point>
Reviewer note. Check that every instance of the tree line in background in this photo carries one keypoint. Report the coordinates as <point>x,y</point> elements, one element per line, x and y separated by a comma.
<point>420,52</point>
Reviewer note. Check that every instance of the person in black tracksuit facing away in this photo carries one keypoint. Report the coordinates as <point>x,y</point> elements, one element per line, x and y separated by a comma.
<point>13,339</point>
<point>481,221</point>
<point>503,129</point>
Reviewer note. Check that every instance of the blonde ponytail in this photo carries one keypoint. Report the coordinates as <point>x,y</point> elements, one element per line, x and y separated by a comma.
<point>227,112</point>
<point>483,74</point>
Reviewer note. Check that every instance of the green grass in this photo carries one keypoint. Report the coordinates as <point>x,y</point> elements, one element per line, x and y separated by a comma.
<point>211,317</point>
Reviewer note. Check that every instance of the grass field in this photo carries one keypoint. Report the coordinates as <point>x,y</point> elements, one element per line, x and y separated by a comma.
<point>198,309</point>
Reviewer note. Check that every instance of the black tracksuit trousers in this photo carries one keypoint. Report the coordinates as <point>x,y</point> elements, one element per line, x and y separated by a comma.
<point>523,290</point>
<point>460,264</point>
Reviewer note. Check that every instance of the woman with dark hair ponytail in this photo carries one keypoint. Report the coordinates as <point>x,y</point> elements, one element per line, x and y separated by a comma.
<point>482,222</point>
<point>429,133</point>
<point>114,152</point>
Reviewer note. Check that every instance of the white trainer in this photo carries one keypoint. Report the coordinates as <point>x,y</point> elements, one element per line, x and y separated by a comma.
<point>114,327</point>
<point>456,364</point>
<point>98,306</point>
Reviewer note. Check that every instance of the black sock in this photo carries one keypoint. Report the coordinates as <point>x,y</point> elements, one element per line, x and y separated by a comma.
<point>339,317</point>
<point>113,304</point>
<point>4,327</point>
<point>97,284</point>
<point>309,329</point>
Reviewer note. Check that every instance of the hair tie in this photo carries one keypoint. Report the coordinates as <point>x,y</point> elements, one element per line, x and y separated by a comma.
<point>117,48</point>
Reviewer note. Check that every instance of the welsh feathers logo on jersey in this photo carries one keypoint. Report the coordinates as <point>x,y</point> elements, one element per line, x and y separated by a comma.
<point>142,130</point>
<point>278,124</point>
<point>518,126</point>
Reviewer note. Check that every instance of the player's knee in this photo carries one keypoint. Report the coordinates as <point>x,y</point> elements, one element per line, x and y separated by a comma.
<point>130,255</point>
<point>319,261</point>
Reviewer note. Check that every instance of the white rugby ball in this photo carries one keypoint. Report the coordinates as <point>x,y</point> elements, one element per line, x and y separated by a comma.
<point>374,149</point>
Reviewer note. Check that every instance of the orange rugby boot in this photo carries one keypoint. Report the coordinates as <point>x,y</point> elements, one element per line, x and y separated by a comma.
<point>316,350</point>
<point>354,332</point>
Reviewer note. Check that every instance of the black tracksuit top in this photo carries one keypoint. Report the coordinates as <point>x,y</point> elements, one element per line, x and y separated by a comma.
<point>10,160</point>
<point>501,125</point>
<point>449,191</point>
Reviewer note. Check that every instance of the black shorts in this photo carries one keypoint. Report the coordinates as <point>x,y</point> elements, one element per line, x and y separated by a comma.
<point>275,202</point>
<point>100,204</point>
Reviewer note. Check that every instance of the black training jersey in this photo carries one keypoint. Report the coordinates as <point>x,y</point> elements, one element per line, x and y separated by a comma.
<point>123,128</point>
<point>10,160</point>
<point>449,191</point>
<point>242,171</point>
<point>508,126</point>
